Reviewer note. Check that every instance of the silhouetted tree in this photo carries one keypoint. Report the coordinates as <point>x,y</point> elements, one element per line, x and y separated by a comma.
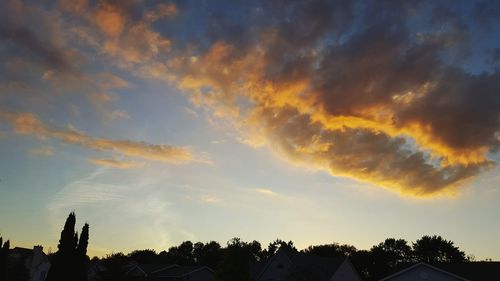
<point>274,246</point>
<point>331,250</point>
<point>4,258</point>
<point>387,255</point>
<point>208,254</point>
<point>70,261</point>
<point>363,262</point>
<point>236,257</point>
<point>84,241</point>
<point>433,249</point>
<point>144,256</point>
<point>114,266</point>
<point>182,254</point>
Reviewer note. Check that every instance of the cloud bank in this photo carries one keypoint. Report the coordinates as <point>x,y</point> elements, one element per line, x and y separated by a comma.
<point>360,92</point>
<point>402,94</point>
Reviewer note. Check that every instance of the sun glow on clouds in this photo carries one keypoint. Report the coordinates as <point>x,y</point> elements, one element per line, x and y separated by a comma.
<point>117,163</point>
<point>30,124</point>
<point>266,191</point>
<point>317,91</point>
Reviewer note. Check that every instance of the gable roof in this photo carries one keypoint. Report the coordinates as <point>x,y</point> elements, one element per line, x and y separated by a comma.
<point>21,252</point>
<point>180,271</point>
<point>149,269</point>
<point>425,265</point>
<point>474,271</point>
<point>255,268</point>
<point>308,266</point>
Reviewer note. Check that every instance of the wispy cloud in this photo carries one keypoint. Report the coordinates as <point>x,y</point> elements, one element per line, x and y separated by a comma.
<point>211,199</point>
<point>266,191</point>
<point>147,210</point>
<point>117,163</point>
<point>30,124</point>
<point>43,151</point>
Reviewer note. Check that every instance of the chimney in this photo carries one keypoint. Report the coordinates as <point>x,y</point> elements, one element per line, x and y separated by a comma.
<point>36,259</point>
<point>38,249</point>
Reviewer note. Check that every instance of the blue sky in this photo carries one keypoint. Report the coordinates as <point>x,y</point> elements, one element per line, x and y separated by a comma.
<point>317,122</point>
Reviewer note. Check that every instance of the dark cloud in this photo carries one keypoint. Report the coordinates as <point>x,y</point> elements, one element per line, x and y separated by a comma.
<point>487,13</point>
<point>371,91</point>
<point>23,39</point>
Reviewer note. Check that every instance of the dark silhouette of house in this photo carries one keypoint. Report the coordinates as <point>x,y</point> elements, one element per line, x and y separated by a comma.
<point>462,271</point>
<point>173,272</point>
<point>31,263</point>
<point>292,265</point>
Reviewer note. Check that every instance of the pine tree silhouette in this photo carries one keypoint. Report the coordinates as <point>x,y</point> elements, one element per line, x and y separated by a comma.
<point>84,241</point>
<point>4,254</point>
<point>70,261</point>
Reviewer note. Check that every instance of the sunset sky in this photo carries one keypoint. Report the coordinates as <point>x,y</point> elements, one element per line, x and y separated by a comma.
<point>311,121</point>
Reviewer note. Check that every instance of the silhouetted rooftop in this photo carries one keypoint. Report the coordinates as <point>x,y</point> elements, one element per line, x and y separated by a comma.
<point>179,271</point>
<point>473,271</point>
<point>306,265</point>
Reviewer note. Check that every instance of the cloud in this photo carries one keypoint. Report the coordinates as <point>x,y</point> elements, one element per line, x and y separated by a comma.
<point>210,199</point>
<point>107,194</point>
<point>116,163</point>
<point>380,92</point>
<point>43,151</point>
<point>121,30</point>
<point>266,191</point>
<point>30,124</point>
<point>107,80</point>
<point>380,104</point>
<point>44,52</point>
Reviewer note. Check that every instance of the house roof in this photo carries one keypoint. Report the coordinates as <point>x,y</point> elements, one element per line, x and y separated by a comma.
<point>255,268</point>
<point>152,268</point>
<point>21,252</point>
<point>474,271</point>
<point>318,268</point>
<point>180,271</point>
<point>409,267</point>
<point>471,271</point>
<point>168,270</point>
<point>306,265</point>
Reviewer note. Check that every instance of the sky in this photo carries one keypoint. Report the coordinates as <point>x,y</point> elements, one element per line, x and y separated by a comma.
<point>312,121</point>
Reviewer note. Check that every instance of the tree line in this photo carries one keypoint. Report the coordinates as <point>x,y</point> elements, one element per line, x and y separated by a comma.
<point>231,262</point>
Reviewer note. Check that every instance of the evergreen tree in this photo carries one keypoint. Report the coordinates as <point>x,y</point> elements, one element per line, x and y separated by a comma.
<point>84,241</point>
<point>4,257</point>
<point>67,241</point>
<point>70,261</point>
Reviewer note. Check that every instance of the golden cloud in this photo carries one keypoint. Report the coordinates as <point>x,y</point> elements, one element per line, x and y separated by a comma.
<point>117,163</point>
<point>110,20</point>
<point>30,124</point>
<point>266,191</point>
<point>368,141</point>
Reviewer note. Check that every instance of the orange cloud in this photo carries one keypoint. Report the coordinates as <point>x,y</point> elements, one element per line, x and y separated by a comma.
<point>287,112</point>
<point>110,20</point>
<point>116,163</point>
<point>30,124</point>
<point>160,11</point>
